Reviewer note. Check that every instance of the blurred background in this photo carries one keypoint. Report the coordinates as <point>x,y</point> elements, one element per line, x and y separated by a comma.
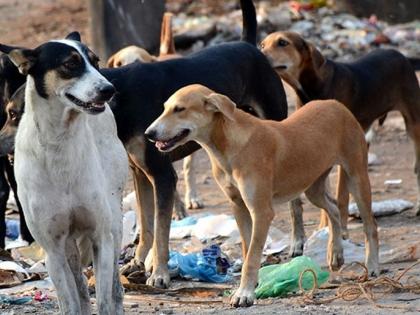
<point>342,29</point>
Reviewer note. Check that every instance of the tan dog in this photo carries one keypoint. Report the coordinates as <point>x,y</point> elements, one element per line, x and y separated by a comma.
<point>364,86</point>
<point>167,51</point>
<point>253,160</point>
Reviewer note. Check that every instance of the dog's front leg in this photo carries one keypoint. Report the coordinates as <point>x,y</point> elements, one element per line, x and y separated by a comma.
<point>164,185</point>
<point>259,204</point>
<point>63,279</point>
<point>191,197</point>
<point>104,266</point>
<point>298,231</point>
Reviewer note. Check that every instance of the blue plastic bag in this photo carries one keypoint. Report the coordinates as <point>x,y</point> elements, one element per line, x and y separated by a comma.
<point>12,229</point>
<point>207,266</point>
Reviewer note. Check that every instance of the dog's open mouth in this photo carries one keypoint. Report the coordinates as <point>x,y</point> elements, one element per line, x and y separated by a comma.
<point>170,143</point>
<point>91,106</point>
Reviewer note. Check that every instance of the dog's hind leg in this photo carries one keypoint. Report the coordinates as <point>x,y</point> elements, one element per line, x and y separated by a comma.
<point>24,231</point>
<point>145,217</point>
<point>342,195</point>
<point>192,201</point>
<point>319,196</point>
<point>75,264</point>
<point>357,179</point>
<point>4,195</point>
<point>298,232</point>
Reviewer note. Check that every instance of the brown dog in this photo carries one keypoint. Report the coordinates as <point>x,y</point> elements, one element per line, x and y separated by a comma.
<point>253,160</point>
<point>167,51</point>
<point>382,81</point>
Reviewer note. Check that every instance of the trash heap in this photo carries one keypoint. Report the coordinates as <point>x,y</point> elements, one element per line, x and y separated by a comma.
<point>339,36</point>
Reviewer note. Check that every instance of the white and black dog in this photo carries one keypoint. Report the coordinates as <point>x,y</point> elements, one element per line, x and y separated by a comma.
<point>71,168</point>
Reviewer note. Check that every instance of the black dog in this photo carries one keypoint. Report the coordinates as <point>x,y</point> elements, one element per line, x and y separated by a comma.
<point>10,81</point>
<point>237,70</point>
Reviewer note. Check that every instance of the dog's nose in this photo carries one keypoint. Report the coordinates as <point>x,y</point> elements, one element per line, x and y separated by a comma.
<point>150,134</point>
<point>107,91</point>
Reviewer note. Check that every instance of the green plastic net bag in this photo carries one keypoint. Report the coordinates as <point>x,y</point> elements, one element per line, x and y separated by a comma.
<point>279,280</point>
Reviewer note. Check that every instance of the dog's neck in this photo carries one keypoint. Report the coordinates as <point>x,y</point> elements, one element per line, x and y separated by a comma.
<point>224,139</point>
<point>312,82</point>
<point>54,122</point>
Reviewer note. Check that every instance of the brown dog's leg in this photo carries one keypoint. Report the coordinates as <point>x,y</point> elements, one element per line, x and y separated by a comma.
<point>342,196</point>
<point>359,186</point>
<point>319,195</point>
<point>323,220</point>
<point>240,211</point>
<point>145,215</point>
<point>259,205</point>
<point>298,231</point>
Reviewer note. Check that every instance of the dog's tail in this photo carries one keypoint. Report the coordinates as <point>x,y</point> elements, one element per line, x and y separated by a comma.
<point>249,22</point>
<point>415,62</point>
<point>167,44</point>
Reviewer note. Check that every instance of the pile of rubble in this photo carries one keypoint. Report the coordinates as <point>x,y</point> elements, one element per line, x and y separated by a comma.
<point>339,36</point>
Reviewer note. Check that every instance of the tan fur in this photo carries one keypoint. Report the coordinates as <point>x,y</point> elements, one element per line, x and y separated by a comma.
<point>253,160</point>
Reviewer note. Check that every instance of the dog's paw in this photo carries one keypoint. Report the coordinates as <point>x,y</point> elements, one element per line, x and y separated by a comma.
<point>296,249</point>
<point>179,211</point>
<point>194,203</point>
<point>336,259</point>
<point>131,267</point>
<point>159,280</point>
<point>242,298</point>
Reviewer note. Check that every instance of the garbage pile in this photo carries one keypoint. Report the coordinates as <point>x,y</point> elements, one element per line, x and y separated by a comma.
<point>339,36</point>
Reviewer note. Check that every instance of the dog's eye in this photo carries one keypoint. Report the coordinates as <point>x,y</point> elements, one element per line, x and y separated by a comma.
<point>261,46</point>
<point>12,114</point>
<point>282,43</point>
<point>178,109</point>
<point>72,63</point>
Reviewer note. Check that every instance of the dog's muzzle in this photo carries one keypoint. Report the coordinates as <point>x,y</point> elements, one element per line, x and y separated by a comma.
<point>96,105</point>
<point>166,144</point>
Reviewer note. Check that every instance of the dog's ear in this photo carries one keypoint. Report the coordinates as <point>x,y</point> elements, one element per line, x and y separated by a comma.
<point>220,103</point>
<point>74,36</point>
<point>318,59</point>
<point>110,62</point>
<point>23,59</point>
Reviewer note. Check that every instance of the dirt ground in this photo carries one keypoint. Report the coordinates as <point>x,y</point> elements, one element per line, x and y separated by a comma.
<point>28,23</point>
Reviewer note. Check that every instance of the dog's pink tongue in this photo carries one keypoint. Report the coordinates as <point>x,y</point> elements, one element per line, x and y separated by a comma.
<point>159,144</point>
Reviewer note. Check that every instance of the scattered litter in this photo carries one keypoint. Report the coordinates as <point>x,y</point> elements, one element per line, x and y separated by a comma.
<point>209,265</point>
<point>9,279</point>
<point>317,244</point>
<point>182,228</point>
<point>393,182</point>
<point>280,280</point>
<point>213,226</point>
<point>12,228</point>
<point>33,252</point>
<point>16,300</point>
<point>354,287</point>
<point>40,296</point>
<point>129,202</point>
<point>404,252</point>
<point>383,208</point>
<point>129,230</point>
